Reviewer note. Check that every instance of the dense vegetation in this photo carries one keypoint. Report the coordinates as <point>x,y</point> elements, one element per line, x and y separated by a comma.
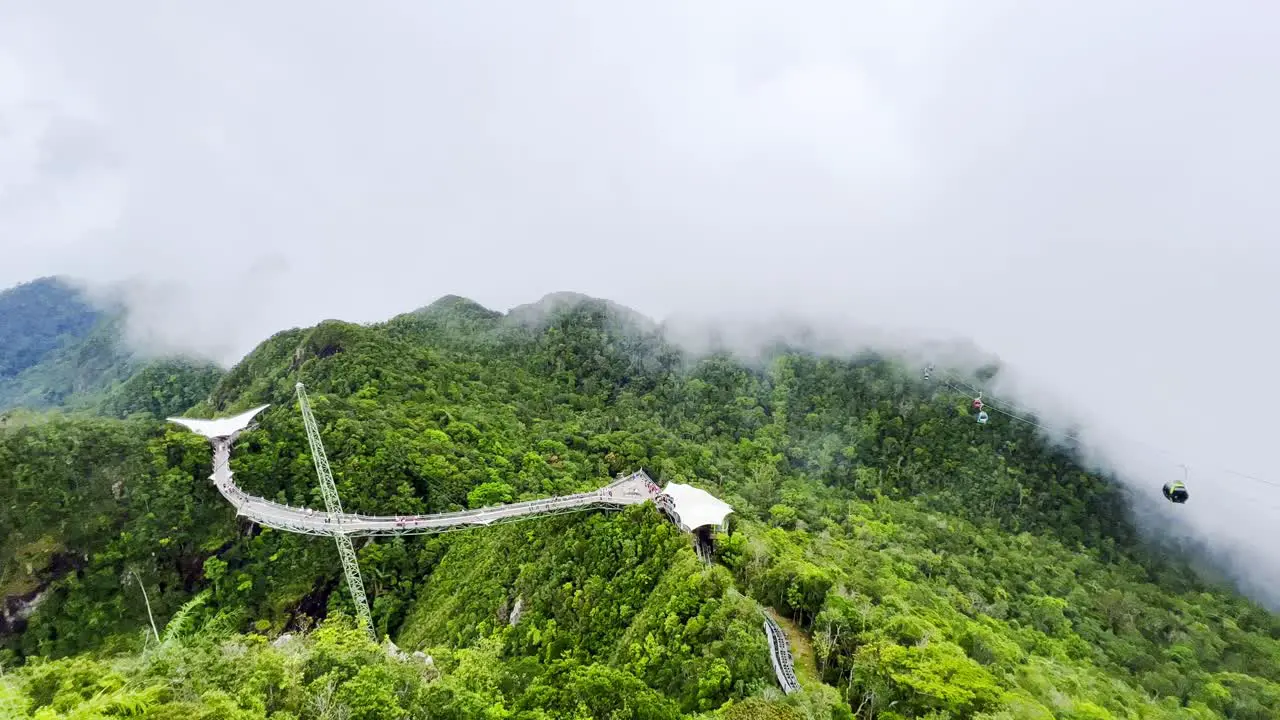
<point>936,568</point>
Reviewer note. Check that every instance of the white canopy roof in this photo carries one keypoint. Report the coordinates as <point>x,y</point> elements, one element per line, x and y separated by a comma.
<point>696,507</point>
<point>223,427</point>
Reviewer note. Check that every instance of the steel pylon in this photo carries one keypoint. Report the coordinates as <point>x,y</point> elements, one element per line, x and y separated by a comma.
<point>333,506</point>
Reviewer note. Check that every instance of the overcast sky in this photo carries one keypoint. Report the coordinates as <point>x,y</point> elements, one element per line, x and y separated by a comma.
<point>1086,189</point>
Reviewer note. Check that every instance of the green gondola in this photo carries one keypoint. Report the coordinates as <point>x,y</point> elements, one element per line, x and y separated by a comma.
<point>1176,492</point>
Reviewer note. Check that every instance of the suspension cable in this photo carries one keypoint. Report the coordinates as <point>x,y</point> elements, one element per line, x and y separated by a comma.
<point>1012,411</point>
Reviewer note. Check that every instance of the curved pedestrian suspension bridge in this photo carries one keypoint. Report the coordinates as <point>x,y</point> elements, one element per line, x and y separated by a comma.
<point>690,508</point>
<point>631,490</point>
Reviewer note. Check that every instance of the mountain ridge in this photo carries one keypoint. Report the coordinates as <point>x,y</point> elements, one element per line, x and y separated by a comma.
<point>940,568</point>
<point>77,357</point>
<point>38,317</point>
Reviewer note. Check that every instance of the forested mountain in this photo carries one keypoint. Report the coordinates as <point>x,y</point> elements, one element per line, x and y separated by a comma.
<point>924,566</point>
<point>37,318</point>
<point>59,350</point>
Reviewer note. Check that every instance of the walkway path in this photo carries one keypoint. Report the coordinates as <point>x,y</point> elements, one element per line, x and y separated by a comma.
<point>631,490</point>
<point>780,653</point>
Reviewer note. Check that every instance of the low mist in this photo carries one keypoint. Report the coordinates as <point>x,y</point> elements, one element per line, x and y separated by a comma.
<point>1084,191</point>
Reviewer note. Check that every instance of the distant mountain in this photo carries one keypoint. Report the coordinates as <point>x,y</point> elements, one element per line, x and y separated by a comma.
<point>453,305</point>
<point>555,305</point>
<point>60,350</point>
<point>39,317</point>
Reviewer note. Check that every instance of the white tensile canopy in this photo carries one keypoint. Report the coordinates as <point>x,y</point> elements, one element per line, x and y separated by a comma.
<point>223,427</point>
<point>696,507</point>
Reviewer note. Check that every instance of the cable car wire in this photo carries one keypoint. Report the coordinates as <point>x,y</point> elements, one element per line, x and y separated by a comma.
<point>989,404</point>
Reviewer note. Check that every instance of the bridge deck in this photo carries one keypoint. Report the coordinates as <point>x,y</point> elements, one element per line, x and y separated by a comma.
<point>780,653</point>
<point>631,490</point>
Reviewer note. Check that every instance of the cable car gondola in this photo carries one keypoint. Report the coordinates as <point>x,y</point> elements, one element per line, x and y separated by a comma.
<point>1176,492</point>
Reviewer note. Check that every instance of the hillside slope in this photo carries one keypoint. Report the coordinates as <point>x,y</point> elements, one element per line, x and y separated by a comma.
<point>37,318</point>
<point>60,351</point>
<point>942,569</point>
